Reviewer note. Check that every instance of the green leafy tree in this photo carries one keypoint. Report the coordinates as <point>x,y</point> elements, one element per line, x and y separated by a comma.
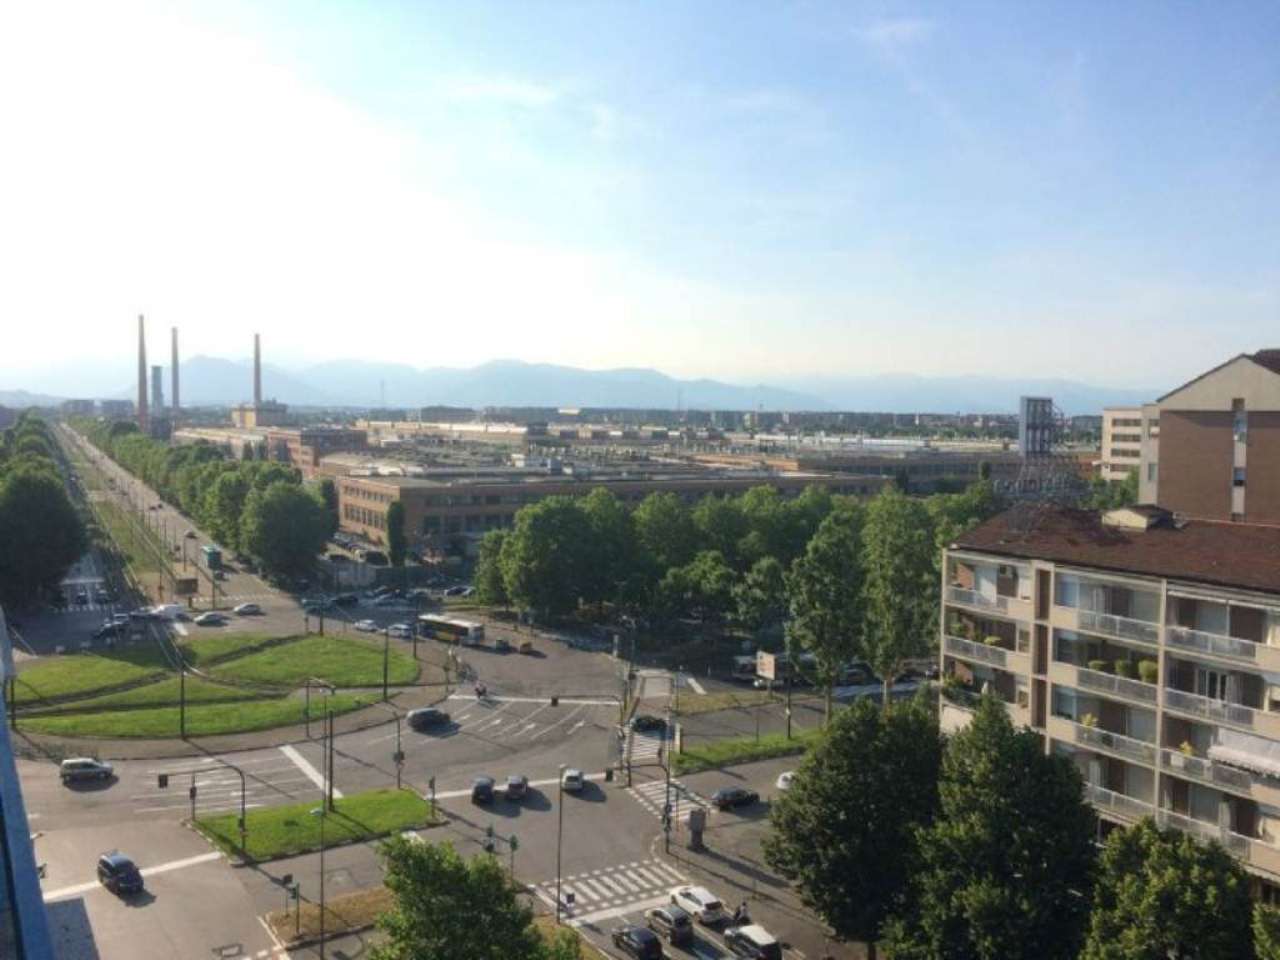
<point>396,545</point>
<point>845,833</point>
<point>900,586</point>
<point>329,497</point>
<point>611,549</point>
<point>1004,870</point>
<point>703,587</point>
<point>41,534</point>
<point>1161,895</point>
<point>490,587</point>
<point>224,507</point>
<point>283,526</point>
<point>1266,931</point>
<point>450,908</point>
<point>665,531</point>
<point>721,525</point>
<point>544,560</point>
<point>760,598</point>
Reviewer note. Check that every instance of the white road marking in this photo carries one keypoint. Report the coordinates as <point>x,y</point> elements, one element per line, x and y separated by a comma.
<point>549,782</point>
<point>546,700</point>
<point>179,629</point>
<point>305,766</point>
<point>694,684</point>
<point>577,726</point>
<point>63,892</point>
<point>596,916</point>
<point>547,729</point>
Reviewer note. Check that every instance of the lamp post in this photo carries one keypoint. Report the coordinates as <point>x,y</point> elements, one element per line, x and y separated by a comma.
<point>559,836</point>
<point>319,812</point>
<point>399,755</point>
<point>386,653</point>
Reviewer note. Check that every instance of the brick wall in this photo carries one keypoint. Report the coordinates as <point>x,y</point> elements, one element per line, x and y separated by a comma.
<point>1195,463</point>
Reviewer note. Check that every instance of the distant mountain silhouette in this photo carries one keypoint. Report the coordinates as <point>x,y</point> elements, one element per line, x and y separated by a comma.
<point>21,399</point>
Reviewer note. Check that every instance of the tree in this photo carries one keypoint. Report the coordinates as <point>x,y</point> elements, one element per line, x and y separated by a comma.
<point>824,589</point>
<point>900,586</point>
<point>329,497</point>
<point>845,833</point>
<point>450,908</point>
<point>721,526</point>
<point>665,531</point>
<point>611,546</point>
<point>1266,931</point>
<point>760,598</point>
<point>544,559</point>
<point>283,526</point>
<point>224,504</point>
<point>490,588</point>
<point>1004,869</point>
<point>41,535</point>
<point>1161,895</point>
<point>396,545</point>
<point>703,587</point>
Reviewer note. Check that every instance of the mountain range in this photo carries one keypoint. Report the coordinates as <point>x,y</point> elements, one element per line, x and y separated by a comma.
<point>209,381</point>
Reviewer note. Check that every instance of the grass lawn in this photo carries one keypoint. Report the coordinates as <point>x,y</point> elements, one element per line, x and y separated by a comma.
<point>137,548</point>
<point>724,753</point>
<point>546,925</point>
<point>342,662</point>
<point>692,704</point>
<point>345,913</point>
<point>160,694</point>
<point>284,831</point>
<point>202,720</point>
<point>83,673</point>
<point>206,650</point>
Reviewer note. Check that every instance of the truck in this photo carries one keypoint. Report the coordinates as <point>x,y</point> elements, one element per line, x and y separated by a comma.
<point>212,556</point>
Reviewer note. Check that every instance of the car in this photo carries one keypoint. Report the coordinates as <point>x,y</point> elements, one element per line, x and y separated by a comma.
<point>82,595</point>
<point>785,779</point>
<point>101,596</point>
<point>482,790</point>
<point>517,786</point>
<point>726,798</point>
<point>84,768</point>
<point>210,619</point>
<point>119,874</point>
<point>638,942</point>
<point>454,591</point>
<point>672,923</point>
<point>573,781</point>
<point>109,630</point>
<point>247,610</point>
<point>143,613</point>
<point>337,558</point>
<point>401,631</point>
<point>117,618</point>
<point>426,717</point>
<point>700,903</point>
<point>524,646</point>
<point>388,600</point>
<point>366,626</point>
<point>375,558</point>
<point>317,603</point>
<point>381,591</point>
<point>347,600</point>
<point>190,535</point>
<point>644,722</point>
<point>753,941</point>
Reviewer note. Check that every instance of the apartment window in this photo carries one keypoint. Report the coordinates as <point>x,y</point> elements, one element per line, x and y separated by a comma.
<point>1239,420</point>
<point>1237,476</point>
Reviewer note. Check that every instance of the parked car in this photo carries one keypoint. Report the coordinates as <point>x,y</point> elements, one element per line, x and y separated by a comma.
<point>143,613</point>
<point>573,781</point>
<point>726,798</point>
<point>84,768</point>
<point>347,600</point>
<point>401,631</point>
<point>699,902</point>
<point>785,779</point>
<point>119,874</point>
<point>672,923</point>
<point>482,790</point>
<point>388,600</point>
<point>247,610</point>
<point>426,718</point>
<point>753,941</point>
<point>366,626</point>
<point>638,942</point>
<point>211,619</point>
<point>517,787</point>
<point>317,603</point>
<point>645,722</point>
<point>454,591</point>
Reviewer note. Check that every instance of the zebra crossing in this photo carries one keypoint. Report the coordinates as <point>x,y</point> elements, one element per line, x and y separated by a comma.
<point>646,746</point>
<point>608,887</point>
<point>652,795</point>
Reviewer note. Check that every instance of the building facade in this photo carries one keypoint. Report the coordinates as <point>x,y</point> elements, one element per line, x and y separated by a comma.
<point>1144,647</point>
<point>1121,442</point>
<point>303,447</point>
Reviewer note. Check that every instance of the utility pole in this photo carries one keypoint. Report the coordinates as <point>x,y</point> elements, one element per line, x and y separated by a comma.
<point>182,693</point>
<point>330,777</point>
<point>320,812</point>
<point>386,654</point>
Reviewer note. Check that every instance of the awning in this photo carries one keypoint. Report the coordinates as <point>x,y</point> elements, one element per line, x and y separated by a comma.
<point>1247,752</point>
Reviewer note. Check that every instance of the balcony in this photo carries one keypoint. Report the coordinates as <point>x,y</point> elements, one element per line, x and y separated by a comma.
<point>1127,748</point>
<point>1117,804</point>
<point>1082,678</point>
<point>1262,722</point>
<point>1006,606</point>
<point>1010,660</point>
<point>1122,628</point>
<point>1219,645</point>
<point>1221,775</point>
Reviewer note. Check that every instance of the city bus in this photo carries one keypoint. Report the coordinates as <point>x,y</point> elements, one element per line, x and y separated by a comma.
<point>451,629</point>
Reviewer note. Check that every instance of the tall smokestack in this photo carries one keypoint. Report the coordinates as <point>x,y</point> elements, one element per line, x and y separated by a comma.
<point>143,419</point>
<point>157,390</point>
<point>173,401</point>
<point>257,373</point>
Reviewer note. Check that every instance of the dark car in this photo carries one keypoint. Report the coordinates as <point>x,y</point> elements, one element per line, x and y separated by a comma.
<point>427,718</point>
<point>482,790</point>
<point>672,923</point>
<point>645,722</point>
<point>347,600</point>
<point>517,787</point>
<point>638,942</point>
<point>101,596</point>
<point>109,630</point>
<point>118,873</point>
<point>728,797</point>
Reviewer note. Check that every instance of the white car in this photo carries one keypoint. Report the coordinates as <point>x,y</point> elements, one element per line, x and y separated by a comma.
<point>785,779</point>
<point>699,902</point>
<point>401,631</point>
<point>247,609</point>
<point>573,781</point>
<point>366,626</point>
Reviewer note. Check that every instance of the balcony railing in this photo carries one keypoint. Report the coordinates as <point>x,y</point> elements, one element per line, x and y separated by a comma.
<point>996,656</point>
<point>1130,747</point>
<point>1201,642</point>
<point>972,598</point>
<point>1120,686</point>
<point>1206,770</point>
<point>1209,708</point>
<point>1117,803</point>
<point>1122,627</point>
<point>962,697</point>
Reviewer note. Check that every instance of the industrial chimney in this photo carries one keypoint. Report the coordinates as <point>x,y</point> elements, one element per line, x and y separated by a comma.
<point>257,374</point>
<point>143,419</point>
<point>173,400</point>
<point>157,390</point>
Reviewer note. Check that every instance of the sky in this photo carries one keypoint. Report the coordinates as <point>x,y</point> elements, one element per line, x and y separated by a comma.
<point>750,191</point>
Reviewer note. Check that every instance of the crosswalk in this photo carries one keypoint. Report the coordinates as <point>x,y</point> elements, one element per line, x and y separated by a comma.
<point>511,720</point>
<point>611,887</point>
<point>270,778</point>
<point>646,746</point>
<point>652,795</point>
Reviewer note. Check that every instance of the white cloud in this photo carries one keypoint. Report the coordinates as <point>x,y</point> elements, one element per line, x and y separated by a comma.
<point>504,91</point>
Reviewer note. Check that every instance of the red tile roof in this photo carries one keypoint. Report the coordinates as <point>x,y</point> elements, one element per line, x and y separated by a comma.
<point>1243,555</point>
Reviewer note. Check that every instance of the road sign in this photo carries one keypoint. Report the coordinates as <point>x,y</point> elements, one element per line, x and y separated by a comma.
<point>185,586</point>
<point>766,665</point>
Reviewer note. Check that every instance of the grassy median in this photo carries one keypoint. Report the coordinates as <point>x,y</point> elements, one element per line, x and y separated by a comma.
<point>341,661</point>
<point>74,674</point>
<point>285,831</point>
<point>162,693</point>
<point>714,754</point>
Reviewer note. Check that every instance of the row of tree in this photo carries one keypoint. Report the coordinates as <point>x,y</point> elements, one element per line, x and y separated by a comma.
<point>41,532</point>
<point>982,847</point>
<point>252,507</point>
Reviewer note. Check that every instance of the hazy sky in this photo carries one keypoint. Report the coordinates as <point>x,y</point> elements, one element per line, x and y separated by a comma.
<point>742,190</point>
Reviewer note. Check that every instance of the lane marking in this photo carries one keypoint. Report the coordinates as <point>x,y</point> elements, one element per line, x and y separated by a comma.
<point>697,687</point>
<point>78,888</point>
<point>551,726</point>
<point>305,766</point>
<point>596,916</point>
<point>546,700</point>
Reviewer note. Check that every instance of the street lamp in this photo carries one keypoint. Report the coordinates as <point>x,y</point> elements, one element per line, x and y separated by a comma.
<point>559,837</point>
<point>319,812</point>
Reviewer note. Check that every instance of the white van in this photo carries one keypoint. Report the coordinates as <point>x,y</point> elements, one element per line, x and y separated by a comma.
<point>169,611</point>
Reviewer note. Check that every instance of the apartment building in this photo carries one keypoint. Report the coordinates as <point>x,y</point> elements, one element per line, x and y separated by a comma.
<point>1215,452</point>
<point>1121,442</point>
<point>1145,647</point>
